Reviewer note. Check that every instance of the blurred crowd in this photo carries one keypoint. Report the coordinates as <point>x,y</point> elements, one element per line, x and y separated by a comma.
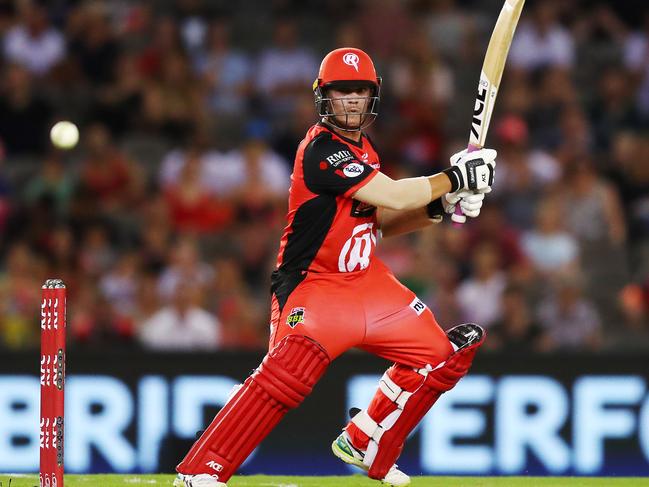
<point>164,222</point>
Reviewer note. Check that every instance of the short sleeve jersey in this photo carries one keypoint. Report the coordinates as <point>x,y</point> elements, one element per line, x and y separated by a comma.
<point>328,230</point>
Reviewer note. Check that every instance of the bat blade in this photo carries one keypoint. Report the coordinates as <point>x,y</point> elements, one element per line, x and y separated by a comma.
<point>490,76</point>
<point>492,70</point>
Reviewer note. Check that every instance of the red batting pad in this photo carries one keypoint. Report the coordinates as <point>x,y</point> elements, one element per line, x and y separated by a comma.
<point>282,381</point>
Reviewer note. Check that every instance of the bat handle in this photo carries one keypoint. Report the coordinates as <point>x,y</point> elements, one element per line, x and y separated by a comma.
<point>458,217</point>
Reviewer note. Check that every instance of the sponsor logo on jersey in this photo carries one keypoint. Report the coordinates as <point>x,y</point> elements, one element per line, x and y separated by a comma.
<point>418,305</point>
<point>351,59</point>
<point>355,254</point>
<point>296,317</point>
<point>353,170</point>
<point>339,157</point>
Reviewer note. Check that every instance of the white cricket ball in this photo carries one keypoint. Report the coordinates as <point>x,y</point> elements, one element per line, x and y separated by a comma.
<point>64,135</point>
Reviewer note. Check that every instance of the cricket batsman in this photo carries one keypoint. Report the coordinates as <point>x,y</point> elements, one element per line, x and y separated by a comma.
<point>330,293</point>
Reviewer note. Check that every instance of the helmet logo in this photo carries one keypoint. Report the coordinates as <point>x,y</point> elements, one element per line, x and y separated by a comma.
<point>351,59</point>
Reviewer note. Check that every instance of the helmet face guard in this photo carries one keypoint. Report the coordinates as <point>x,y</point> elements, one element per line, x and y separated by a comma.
<point>325,105</point>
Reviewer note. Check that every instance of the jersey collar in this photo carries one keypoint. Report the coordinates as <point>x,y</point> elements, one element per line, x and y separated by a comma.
<point>328,127</point>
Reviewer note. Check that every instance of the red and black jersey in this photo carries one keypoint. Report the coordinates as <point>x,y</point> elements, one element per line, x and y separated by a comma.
<point>327,230</point>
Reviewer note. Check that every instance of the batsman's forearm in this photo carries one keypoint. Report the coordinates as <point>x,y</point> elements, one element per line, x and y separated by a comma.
<point>394,222</point>
<point>403,194</point>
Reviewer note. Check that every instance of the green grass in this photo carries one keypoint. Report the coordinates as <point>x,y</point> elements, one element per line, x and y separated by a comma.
<point>350,481</point>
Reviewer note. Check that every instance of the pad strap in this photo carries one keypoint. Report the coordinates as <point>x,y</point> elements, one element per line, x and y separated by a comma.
<point>393,392</point>
<point>368,426</point>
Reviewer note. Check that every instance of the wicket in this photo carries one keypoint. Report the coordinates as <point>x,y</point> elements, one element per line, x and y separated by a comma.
<point>53,324</point>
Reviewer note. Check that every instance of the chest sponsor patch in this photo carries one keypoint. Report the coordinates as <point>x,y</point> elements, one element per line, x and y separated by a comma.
<point>296,317</point>
<point>418,306</point>
<point>353,170</point>
<point>337,158</point>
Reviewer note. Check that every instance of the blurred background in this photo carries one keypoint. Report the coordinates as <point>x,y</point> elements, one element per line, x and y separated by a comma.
<point>165,221</point>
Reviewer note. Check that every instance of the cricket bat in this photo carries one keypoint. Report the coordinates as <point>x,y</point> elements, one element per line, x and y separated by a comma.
<point>492,72</point>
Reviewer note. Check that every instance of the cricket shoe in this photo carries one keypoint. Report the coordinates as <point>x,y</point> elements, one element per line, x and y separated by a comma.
<point>200,480</point>
<point>342,447</point>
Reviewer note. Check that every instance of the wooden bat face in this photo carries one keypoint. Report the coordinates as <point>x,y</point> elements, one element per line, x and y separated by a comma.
<point>492,70</point>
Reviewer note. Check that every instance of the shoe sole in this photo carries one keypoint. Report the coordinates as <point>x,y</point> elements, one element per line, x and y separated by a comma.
<point>181,483</point>
<point>345,457</point>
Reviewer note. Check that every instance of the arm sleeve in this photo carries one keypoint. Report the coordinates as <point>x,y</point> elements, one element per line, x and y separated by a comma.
<point>330,167</point>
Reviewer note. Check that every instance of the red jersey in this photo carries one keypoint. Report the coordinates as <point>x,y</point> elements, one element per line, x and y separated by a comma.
<point>327,230</point>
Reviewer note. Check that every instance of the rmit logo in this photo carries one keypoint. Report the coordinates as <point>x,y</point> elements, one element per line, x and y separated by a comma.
<point>478,109</point>
<point>217,467</point>
<point>338,157</point>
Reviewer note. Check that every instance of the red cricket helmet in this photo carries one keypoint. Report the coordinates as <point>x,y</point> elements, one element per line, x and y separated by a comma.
<point>347,66</point>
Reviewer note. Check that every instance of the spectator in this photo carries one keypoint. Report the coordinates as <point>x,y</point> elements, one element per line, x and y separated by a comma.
<point>226,71</point>
<point>516,332</point>
<point>636,59</point>
<point>285,69</point>
<point>119,287</point>
<point>548,246</point>
<point>480,295</point>
<point>185,265</point>
<point>52,183</point>
<point>569,320</point>
<point>118,103</point>
<point>376,17</point>
<point>107,174</point>
<point>193,208</point>
<point>94,48</point>
<point>24,115</point>
<point>19,298</point>
<point>494,229</point>
<point>164,39</point>
<point>173,104</point>
<point>542,41</point>
<point>181,325</point>
<point>632,183</point>
<point>614,109</point>
<point>423,84</point>
<point>523,174</point>
<point>258,178</point>
<point>593,207</point>
<point>238,310</point>
<point>96,255</point>
<point>34,43</point>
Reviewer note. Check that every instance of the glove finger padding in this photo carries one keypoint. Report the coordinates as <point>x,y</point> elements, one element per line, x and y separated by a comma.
<point>451,199</point>
<point>472,201</point>
<point>472,204</point>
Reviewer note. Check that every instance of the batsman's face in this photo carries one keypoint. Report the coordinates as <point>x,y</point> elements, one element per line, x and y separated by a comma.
<point>349,105</point>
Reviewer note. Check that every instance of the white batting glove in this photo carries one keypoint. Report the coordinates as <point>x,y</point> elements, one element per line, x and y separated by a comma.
<point>472,170</point>
<point>470,202</point>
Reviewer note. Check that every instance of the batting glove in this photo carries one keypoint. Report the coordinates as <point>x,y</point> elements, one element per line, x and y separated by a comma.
<point>473,171</point>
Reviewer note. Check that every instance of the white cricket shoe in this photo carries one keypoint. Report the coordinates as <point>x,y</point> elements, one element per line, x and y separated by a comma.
<point>342,447</point>
<point>200,480</point>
